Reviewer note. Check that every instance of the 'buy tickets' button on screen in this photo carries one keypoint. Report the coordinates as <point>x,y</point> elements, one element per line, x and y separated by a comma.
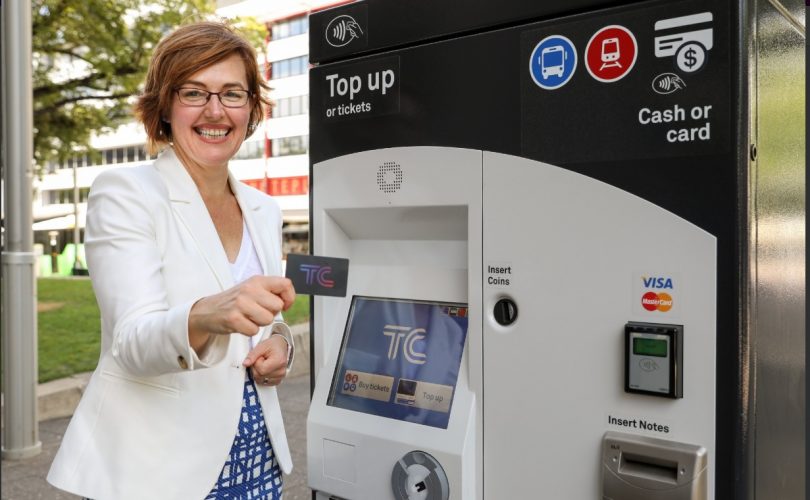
<point>367,385</point>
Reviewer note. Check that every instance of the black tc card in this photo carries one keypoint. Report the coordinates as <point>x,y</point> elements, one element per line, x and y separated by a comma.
<point>313,275</point>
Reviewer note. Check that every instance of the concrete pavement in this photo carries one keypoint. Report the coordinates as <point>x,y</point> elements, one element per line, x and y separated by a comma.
<point>25,479</point>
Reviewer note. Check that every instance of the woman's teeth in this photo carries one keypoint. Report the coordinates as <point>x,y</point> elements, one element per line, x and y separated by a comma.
<point>212,133</point>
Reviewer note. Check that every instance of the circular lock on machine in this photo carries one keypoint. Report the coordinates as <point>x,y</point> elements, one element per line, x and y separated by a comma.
<point>419,476</point>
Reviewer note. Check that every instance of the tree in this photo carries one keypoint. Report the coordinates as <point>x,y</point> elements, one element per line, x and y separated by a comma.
<point>90,58</point>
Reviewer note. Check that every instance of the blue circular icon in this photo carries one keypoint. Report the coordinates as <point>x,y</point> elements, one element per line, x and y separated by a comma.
<point>553,62</point>
<point>353,387</point>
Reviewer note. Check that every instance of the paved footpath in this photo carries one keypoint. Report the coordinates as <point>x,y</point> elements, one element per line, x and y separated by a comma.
<point>25,479</point>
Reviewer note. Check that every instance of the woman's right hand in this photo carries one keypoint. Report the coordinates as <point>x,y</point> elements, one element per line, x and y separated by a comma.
<point>244,308</point>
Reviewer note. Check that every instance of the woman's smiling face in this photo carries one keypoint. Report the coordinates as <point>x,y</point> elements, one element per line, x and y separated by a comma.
<point>209,136</point>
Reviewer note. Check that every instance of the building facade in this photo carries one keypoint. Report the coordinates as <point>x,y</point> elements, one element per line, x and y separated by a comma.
<point>274,159</point>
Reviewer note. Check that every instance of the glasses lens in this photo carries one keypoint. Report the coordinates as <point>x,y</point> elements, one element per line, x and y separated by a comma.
<point>193,97</point>
<point>199,97</point>
<point>234,98</point>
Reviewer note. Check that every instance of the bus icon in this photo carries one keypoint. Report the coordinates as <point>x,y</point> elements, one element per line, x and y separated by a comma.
<point>552,61</point>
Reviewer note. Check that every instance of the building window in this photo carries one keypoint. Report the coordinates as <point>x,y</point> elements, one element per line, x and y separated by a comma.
<point>250,150</point>
<point>289,106</point>
<point>64,196</point>
<point>285,146</point>
<point>290,27</point>
<point>290,67</point>
<point>124,154</point>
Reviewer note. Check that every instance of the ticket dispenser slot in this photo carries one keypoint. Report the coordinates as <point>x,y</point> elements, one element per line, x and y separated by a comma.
<point>645,468</point>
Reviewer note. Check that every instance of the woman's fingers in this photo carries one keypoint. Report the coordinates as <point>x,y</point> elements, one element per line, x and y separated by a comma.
<point>268,359</point>
<point>244,308</point>
<point>270,303</point>
<point>259,310</point>
<point>279,287</point>
<point>268,381</point>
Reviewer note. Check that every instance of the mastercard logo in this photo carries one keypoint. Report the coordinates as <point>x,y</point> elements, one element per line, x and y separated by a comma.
<point>652,301</point>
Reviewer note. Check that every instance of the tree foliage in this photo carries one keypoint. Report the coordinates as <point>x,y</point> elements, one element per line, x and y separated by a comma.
<point>90,58</point>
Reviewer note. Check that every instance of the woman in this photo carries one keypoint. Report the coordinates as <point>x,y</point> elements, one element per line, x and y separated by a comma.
<point>185,264</point>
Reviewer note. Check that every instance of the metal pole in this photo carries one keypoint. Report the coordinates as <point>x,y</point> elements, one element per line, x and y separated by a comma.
<point>76,262</point>
<point>20,428</point>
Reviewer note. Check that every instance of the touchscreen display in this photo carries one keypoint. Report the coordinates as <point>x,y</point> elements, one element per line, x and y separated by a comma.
<point>400,359</point>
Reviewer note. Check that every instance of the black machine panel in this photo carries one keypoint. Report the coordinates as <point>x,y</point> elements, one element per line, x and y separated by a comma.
<point>640,95</point>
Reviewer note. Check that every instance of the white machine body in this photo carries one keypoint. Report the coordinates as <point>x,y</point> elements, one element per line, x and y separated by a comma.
<point>535,397</point>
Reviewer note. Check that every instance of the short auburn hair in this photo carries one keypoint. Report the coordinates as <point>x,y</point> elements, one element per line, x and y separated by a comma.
<point>183,52</point>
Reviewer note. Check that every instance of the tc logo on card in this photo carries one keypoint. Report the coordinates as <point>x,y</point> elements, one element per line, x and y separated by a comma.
<point>313,275</point>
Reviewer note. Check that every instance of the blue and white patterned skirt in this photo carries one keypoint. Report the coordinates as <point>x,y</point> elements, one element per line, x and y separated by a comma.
<point>251,471</point>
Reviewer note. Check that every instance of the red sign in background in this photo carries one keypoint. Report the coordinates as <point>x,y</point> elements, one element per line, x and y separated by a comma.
<point>611,53</point>
<point>281,186</point>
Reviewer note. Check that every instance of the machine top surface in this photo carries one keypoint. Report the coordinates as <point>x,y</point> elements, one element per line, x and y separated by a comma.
<point>373,25</point>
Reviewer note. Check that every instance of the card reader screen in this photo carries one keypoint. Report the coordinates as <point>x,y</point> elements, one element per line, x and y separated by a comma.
<point>400,359</point>
<point>650,347</point>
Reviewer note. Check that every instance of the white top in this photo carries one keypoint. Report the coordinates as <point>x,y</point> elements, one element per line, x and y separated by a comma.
<point>247,263</point>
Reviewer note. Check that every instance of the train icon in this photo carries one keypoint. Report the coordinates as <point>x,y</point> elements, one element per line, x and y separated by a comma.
<point>610,53</point>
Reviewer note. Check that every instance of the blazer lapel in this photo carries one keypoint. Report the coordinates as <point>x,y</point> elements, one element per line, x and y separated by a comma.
<point>257,220</point>
<point>190,209</point>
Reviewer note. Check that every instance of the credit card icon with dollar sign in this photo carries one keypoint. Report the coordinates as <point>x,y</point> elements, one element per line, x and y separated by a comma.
<point>687,38</point>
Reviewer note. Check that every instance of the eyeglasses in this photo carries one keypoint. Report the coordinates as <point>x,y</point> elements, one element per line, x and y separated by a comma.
<point>232,98</point>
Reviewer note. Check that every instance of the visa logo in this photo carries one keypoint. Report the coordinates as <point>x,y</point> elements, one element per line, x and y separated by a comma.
<point>657,282</point>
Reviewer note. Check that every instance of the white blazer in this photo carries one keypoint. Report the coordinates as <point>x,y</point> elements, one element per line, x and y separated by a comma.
<point>156,421</point>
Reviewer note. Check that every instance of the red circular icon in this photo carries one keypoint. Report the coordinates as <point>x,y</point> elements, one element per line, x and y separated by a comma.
<point>650,301</point>
<point>611,53</point>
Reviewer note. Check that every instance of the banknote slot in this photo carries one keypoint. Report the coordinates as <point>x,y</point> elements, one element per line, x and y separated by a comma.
<point>649,467</point>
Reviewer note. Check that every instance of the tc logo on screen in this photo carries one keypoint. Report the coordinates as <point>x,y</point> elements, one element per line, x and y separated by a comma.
<point>316,274</point>
<point>407,337</point>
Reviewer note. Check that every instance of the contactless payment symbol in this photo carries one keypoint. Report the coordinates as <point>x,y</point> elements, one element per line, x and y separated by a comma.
<point>553,62</point>
<point>611,53</point>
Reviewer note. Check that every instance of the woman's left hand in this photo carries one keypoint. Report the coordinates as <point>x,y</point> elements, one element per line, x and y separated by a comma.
<point>268,360</point>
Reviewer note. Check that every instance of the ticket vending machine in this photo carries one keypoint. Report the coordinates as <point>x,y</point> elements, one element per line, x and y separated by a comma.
<point>551,242</point>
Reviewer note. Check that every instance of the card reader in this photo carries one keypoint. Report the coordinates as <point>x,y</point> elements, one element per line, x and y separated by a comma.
<point>653,359</point>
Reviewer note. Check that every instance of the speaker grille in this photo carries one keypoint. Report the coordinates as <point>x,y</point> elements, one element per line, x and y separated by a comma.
<point>389,177</point>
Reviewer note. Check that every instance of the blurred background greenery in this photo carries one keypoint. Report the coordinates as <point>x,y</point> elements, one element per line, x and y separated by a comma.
<point>70,328</point>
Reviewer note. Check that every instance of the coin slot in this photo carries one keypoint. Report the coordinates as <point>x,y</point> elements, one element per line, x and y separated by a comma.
<point>506,312</point>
